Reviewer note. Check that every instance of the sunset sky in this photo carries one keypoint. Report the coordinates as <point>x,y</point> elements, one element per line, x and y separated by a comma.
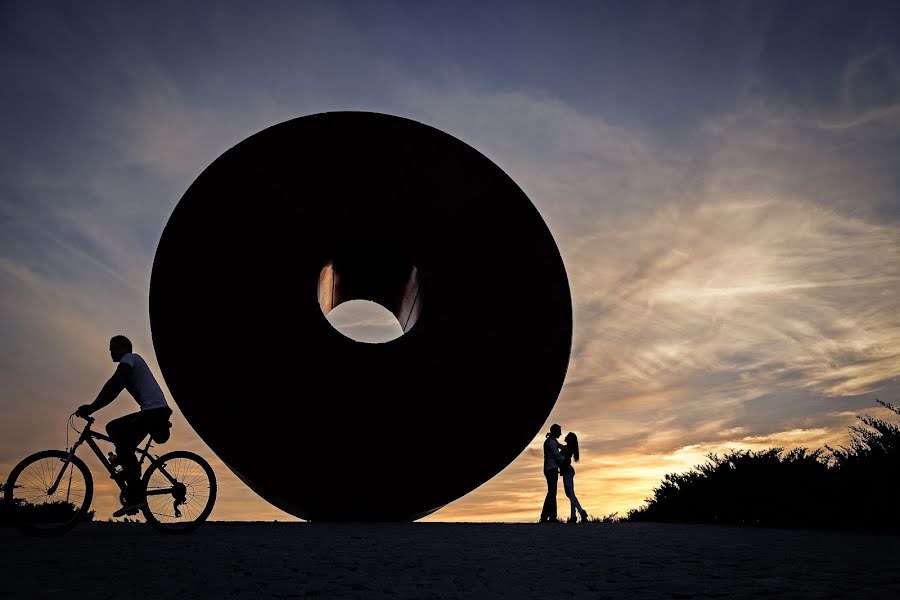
<point>722,180</point>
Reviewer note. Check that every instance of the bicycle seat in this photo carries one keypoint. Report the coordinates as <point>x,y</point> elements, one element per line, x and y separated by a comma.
<point>161,434</point>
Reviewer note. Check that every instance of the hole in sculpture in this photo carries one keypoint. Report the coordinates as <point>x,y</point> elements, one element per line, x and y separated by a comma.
<point>372,299</point>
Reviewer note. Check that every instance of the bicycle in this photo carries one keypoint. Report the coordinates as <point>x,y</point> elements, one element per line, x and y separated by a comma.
<point>49,498</point>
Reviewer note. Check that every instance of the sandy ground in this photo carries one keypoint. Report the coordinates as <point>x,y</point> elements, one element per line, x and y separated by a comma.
<point>426,560</point>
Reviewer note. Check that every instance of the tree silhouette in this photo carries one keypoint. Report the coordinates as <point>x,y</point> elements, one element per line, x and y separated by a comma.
<point>847,487</point>
<point>867,472</point>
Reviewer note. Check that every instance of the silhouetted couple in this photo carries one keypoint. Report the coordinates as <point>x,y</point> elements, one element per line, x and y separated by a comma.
<point>558,461</point>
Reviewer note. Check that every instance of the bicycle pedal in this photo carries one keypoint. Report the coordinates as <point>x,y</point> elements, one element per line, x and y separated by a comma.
<point>130,512</point>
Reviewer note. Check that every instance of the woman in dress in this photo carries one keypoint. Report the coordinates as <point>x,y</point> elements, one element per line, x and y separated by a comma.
<point>570,451</point>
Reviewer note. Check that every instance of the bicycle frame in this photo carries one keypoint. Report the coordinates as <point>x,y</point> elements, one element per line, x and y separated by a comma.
<point>89,437</point>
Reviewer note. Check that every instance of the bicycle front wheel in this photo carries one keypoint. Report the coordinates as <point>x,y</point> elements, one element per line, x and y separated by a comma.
<point>181,492</point>
<point>45,495</point>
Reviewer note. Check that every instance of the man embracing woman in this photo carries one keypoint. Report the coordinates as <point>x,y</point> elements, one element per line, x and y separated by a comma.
<point>558,461</point>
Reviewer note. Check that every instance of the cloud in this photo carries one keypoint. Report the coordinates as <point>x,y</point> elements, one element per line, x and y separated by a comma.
<point>869,93</point>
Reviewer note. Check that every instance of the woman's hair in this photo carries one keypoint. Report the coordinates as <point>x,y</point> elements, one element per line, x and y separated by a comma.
<point>572,442</point>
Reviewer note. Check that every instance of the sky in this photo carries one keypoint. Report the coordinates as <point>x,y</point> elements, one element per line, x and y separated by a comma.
<point>722,180</point>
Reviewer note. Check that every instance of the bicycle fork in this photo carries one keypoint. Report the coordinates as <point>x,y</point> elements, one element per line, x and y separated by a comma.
<point>66,462</point>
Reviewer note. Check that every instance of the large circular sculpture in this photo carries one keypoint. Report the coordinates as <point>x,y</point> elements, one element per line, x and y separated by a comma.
<point>338,206</point>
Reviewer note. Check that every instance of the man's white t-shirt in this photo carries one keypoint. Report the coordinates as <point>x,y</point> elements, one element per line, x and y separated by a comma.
<point>143,386</point>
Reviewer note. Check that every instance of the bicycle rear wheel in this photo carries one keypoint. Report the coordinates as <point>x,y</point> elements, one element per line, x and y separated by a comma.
<point>36,505</point>
<point>181,492</point>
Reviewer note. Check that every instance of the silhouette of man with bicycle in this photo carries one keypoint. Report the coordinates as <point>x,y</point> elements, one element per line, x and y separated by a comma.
<point>126,432</point>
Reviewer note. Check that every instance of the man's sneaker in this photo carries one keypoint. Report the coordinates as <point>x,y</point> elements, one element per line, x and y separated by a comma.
<point>132,508</point>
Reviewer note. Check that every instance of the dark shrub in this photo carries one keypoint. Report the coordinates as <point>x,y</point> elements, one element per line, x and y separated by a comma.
<point>853,487</point>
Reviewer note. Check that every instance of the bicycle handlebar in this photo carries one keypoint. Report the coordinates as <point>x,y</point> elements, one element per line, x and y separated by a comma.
<point>90,420</point>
